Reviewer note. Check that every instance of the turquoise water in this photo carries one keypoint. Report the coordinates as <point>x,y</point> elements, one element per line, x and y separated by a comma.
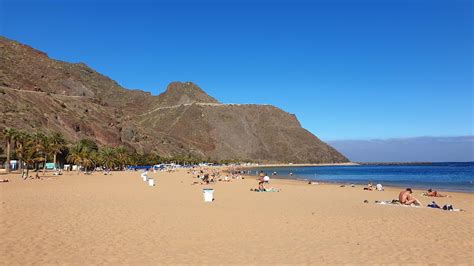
<point>438,176</point>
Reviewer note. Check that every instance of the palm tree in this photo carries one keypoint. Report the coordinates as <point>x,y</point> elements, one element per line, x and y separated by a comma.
<point>75,155</point>
<point>123,158</point>
<point>8,136</point>
<point>89,144</point>
<point>107,157</point>
<point>27,152</point>
<point>89,159</point>
<point>81,154</point>
<point>40,142</point>
<point>20,138</point>
<point>89,152</point>
<point>57,145</point>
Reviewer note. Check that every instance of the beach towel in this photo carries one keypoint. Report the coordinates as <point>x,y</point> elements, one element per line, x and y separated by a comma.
<point>266,190</point>
<point>446,207</point>
<point>395,203</point>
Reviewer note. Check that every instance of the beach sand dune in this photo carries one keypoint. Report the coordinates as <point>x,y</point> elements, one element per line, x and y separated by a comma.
<point>119,219</point>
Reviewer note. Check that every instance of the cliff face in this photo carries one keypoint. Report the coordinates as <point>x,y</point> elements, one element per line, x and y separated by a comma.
<point>37,92</point>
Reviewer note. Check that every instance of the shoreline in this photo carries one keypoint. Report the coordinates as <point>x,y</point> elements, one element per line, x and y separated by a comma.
<point>347,184</point>
<point>302,164</point>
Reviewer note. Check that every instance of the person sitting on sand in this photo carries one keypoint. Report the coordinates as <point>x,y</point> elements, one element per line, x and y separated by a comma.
<point>405,197</point>
<point>369,187</point>
<point>434,193</point>
<point>261,176</point>
<point>205,178</point>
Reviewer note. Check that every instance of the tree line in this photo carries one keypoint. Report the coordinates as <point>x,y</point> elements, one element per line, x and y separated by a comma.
<point>34,150</point>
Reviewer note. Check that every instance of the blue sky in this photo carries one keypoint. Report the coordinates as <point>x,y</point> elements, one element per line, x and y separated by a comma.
<point>347,69</point>
<point>420,149</point>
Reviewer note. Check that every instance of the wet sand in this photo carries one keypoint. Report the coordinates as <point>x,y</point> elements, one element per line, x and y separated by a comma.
<point>119,219</point>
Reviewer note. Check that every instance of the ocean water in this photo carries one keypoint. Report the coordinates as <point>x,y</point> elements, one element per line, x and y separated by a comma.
<point>438,176</point>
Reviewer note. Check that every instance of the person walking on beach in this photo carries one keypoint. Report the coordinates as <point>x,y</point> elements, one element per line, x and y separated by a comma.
<point>405,197</point>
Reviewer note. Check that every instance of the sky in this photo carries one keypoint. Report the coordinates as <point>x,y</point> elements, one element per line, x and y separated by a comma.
<point>347,69</point>
<point>419,149</point>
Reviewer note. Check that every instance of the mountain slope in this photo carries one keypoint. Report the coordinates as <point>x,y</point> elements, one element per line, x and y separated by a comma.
<point>37,92</point>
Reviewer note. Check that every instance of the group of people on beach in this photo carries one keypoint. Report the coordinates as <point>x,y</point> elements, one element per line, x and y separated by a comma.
<point>210,175</point>
<point>263,181</point>
<point>406,196</point>
<point>371,187</point>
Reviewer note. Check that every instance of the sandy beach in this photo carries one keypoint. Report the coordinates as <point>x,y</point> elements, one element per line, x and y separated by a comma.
<point>119,219</point>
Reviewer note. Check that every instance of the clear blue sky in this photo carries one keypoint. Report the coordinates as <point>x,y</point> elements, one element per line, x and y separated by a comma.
<point>347,69</point>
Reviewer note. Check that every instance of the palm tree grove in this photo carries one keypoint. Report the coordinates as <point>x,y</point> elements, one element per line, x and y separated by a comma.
<point>39,151</point>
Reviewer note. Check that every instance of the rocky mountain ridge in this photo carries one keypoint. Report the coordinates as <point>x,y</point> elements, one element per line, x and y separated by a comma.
<point>37,92</point>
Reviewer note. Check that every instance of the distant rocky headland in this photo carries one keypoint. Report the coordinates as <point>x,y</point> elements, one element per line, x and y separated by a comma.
<point>40,93</point>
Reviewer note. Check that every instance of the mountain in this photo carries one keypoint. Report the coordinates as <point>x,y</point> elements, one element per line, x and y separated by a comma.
<point>37,92</point>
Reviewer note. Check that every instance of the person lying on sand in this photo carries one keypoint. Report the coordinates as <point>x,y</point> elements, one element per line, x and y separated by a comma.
<point>434,193</point>
<point>225,178</point>
<point>4,180</point>
<point>406,197</point>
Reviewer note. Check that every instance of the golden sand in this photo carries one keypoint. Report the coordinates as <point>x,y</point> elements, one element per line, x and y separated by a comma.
<point>119,219</point>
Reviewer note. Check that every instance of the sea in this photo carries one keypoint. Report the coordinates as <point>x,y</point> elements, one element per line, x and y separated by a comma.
<point>438,176</point>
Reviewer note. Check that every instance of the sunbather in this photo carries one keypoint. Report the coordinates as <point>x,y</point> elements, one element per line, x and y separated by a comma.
<point>406,198</point>
<point>434,193</point>
<point>369,187</point>
<point>260,178</point>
